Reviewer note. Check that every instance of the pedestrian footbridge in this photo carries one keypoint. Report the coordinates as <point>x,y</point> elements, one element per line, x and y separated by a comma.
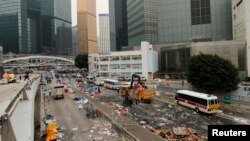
<point>37,61</point>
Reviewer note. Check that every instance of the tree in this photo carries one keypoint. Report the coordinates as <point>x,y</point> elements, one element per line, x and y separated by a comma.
<point>211,72</point>
<point>81,61</point>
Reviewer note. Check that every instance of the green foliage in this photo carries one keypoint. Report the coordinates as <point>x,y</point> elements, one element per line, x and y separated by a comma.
<point>81,61</point>
<point>211,72</point>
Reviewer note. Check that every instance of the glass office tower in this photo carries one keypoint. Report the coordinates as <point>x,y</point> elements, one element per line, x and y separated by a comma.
<point>194,20</point>
<point>56,26</point>
<point>19,26</point>
<point>118,24</point>
<point>178,21</point>
<point>142,21</point>
<point>35,26</point>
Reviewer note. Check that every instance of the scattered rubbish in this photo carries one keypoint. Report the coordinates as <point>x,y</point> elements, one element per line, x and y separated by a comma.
<point>92,112</point>
<point>48,119</point>
<point>178,133</point>
<point>75,128</point>
<point>142,122</point>
<point>60,135</point>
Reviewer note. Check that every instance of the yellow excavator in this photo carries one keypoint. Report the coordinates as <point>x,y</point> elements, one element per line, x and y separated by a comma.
<point>137,91</point>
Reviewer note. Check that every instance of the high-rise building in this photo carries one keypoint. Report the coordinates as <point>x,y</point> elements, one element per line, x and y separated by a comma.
<point>178,21</point>
<point>142,21</point>
<point>1,60</point>
<point>20,26</point>
<point>86,22</point>
<point>35,26</point>
<point>118,24</point>
<point>74,41</point>
<point>104,37</point>
<point>194,20</point>
<point>241,26</point>
<point>56,26</point>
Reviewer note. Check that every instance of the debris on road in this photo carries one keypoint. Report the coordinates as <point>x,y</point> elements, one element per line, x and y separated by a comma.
<point>92,112</point>
<point>179,133</point>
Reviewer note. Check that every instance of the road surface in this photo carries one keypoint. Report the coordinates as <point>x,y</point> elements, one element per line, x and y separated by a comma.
<point>77,127</point>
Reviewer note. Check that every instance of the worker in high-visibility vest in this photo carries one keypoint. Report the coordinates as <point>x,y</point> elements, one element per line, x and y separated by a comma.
<point>139,89</point>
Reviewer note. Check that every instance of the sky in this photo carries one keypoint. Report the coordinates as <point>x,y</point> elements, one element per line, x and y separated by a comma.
<point>101,7</point>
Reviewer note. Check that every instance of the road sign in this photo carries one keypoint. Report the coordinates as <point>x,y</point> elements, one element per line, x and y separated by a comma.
<point>227,99</point>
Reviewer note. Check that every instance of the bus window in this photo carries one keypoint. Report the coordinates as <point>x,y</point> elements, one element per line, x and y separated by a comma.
<point>216,101</point>
<point>212,102</point>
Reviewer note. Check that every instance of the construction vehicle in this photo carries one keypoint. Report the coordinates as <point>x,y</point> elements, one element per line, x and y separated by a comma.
<point>137,92</point>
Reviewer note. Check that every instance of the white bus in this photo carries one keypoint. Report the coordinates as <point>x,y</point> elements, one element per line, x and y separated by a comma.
<point>198,101</point>
<point>112,84</point>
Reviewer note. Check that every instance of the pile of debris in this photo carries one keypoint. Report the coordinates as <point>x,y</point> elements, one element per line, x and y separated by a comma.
<point>92,112</point>
<point>179,133</point>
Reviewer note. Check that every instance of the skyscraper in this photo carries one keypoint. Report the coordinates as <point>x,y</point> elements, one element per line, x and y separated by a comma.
<point>142,21</point>
<point>35,26</point>
<point>104,37</point>
<point>1,60</point>
<point>74,40</point>
<point>20,26</point>
<point>86,22</point>
<point>241,26</point>
<point>118,24</point>
<point>194,20</point>
<point>56,26</point>
<point>178,21</point>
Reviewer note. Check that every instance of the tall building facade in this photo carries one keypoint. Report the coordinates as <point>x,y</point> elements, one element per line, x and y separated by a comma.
<point>74,41</point>
<point>178,21</point>
<point>19,26</point>
<point>194,20</point>
<point>142,21</point>
<point>118,24</point>
<point>241,26</point>
<point>1,60</point>
<point>56,26</point>
<point>86,21</point>
<point>104,37</point>
<point>35,26</point>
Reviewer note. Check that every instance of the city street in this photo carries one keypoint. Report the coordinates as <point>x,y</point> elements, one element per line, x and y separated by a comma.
<point>74,124</point>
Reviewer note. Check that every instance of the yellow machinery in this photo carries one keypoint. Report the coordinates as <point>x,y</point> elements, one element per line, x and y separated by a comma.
<point>124,89</point>
<point>136,91</point>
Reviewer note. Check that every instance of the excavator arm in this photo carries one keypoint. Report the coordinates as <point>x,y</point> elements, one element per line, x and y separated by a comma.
<point>132,80</point>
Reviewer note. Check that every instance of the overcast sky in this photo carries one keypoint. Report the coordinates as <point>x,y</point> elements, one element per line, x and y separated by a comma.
<point>101,7</point>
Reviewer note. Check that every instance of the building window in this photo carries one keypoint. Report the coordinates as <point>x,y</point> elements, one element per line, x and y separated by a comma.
<point>200,12</point>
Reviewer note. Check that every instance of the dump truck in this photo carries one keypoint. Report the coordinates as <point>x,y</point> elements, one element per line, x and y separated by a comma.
<point>137,91</point>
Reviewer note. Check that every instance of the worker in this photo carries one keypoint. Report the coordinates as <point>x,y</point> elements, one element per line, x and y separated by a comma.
<point>140,89</point>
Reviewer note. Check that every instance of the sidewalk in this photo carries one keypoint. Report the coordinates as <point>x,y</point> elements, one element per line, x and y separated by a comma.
<point>237,105</point>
